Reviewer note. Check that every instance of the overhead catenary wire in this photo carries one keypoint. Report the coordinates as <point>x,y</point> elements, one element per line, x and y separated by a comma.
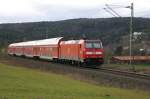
<point>118,6</point>
<point>109,12</point>
<point>113,11</point>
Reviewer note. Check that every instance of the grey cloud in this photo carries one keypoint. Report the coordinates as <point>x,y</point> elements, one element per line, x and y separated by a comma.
<point>48,12</point>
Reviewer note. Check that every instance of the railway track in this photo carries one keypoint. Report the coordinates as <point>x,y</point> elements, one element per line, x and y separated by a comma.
<point>101,75</point>
<point>127,74</point>
<point>111,71</point>
<point>132,75</point>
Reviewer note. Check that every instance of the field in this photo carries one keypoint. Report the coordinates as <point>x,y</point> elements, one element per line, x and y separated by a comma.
<point>23,83</point>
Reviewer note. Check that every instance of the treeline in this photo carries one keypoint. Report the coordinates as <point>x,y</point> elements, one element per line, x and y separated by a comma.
<point>109,30</point>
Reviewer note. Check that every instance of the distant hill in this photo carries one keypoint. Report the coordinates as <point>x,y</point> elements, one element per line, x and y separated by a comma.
<point>109,30</point>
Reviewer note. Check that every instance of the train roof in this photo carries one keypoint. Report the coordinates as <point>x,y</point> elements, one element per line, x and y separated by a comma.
<point>78,41</point>
<point>51,41</point>
<point>72,42</point>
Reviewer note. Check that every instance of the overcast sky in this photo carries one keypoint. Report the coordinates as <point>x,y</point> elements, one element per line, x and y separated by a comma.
<point>53,10</point>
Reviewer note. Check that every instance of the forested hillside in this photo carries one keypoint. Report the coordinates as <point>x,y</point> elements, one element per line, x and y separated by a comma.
<point>109,30</point>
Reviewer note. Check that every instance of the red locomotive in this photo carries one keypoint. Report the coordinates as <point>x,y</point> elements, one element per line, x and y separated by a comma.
<point>74,51</point>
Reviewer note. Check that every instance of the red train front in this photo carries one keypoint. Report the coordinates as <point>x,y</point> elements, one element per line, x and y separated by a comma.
<point>93,52</point>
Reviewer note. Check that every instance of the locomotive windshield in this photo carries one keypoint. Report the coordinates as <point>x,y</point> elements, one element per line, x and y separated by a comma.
<point>93,45</point>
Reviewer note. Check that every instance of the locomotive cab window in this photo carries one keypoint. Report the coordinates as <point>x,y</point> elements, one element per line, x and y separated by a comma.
<point>88,45</point>
<point>93,45</point>
<point>97,45</point>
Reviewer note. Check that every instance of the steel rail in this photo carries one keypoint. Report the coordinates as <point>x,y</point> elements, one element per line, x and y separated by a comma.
<point>125,73</point>
<point>133,75</point>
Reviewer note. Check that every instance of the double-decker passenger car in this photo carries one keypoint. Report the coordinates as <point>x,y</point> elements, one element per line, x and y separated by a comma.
<point>46,49</point>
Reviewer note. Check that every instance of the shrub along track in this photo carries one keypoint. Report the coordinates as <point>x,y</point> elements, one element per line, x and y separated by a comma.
<point>95,76</point>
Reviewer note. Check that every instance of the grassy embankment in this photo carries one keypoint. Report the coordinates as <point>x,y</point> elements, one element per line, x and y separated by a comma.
<point>23,83</point>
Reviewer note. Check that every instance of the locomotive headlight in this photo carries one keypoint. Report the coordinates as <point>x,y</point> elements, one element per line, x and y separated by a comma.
<point>99,52</point>
<point>89,53</point>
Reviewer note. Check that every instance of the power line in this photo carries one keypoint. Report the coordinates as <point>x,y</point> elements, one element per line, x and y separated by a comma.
<point>109,12</point>
<point>118,6</point>
<point>112,10</point>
